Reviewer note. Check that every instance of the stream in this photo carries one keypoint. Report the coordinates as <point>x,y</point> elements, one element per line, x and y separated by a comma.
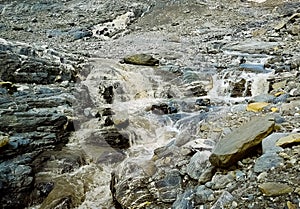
<point>138,115</point>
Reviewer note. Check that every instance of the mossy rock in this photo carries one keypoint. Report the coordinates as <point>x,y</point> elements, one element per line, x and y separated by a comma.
<point>141,59</point>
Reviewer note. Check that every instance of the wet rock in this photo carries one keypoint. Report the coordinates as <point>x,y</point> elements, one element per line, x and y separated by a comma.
<point>274,189</point>
<point>31,67</point>
<point>236,145</point>
<point>141,59</point>
<point>65,194</point>
<point>80,33</point>
<point>163,108</point>
<point>16,180</point>
<point>202,102</point>
<point>35,117</point>
<point>133,176</point>
<point>241,89</point>
<point>167,187</point>
<point>257,68</point>
<point>108,94</point>
<point>110,136</point>
<point>111,157</point>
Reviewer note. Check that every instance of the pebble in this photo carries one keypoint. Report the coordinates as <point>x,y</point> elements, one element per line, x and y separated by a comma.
<point>274,188</point>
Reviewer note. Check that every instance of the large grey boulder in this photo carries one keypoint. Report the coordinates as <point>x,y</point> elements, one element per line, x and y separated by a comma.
<point>234,146</point>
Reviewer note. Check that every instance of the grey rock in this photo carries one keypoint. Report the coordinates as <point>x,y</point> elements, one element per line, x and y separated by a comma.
<point>267,161</point>
<point>269,143</point>
<point>220,181</point>
<point>251,46</point>
<point>203,194</point>
<point>206,175</point>
<point>263,98</point>
<point>224,201</point>
<point>184,201</point>
<point>234,146</point>
<point>257,68</point>
<point>168,187</point>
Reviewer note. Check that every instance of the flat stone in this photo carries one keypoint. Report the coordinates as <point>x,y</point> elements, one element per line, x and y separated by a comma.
<point>274,189</point>
<point>257,106</point>
<point>290,139</point>
<point>252,46</point>
<point>234,146</point>
<point>141,59</point>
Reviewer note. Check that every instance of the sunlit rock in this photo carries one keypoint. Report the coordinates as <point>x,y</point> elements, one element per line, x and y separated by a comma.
<point>290,139</point>
<point>234,146</point>
<point>257,106</point>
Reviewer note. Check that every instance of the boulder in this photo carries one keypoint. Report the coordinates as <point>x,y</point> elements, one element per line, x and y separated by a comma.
<point>234,146</point>
<point>141,59</point>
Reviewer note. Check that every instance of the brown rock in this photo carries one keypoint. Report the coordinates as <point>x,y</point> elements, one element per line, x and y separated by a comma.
<point>257,106</point>
<point>234,146</point>
<point>291,205</point>
<point>290,139</point>
<point>141,59</point>
<point>274,188</point>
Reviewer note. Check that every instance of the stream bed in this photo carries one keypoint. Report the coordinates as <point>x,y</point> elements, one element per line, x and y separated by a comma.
<point>81,127</point>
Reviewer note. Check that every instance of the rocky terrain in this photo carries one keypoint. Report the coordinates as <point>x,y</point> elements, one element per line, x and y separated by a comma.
<point>150,104</point>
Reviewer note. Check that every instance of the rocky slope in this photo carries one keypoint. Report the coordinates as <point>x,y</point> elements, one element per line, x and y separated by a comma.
<point>211,122</point>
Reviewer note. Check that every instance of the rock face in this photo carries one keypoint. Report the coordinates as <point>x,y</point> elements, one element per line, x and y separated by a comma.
<point>34,117</point>
<point>234,146</point>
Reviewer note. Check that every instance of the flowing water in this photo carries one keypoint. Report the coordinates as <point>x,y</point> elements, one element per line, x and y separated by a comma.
<point>136,89</point>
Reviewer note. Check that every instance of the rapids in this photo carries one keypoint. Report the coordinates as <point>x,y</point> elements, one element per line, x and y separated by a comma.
<point>136,89</point>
